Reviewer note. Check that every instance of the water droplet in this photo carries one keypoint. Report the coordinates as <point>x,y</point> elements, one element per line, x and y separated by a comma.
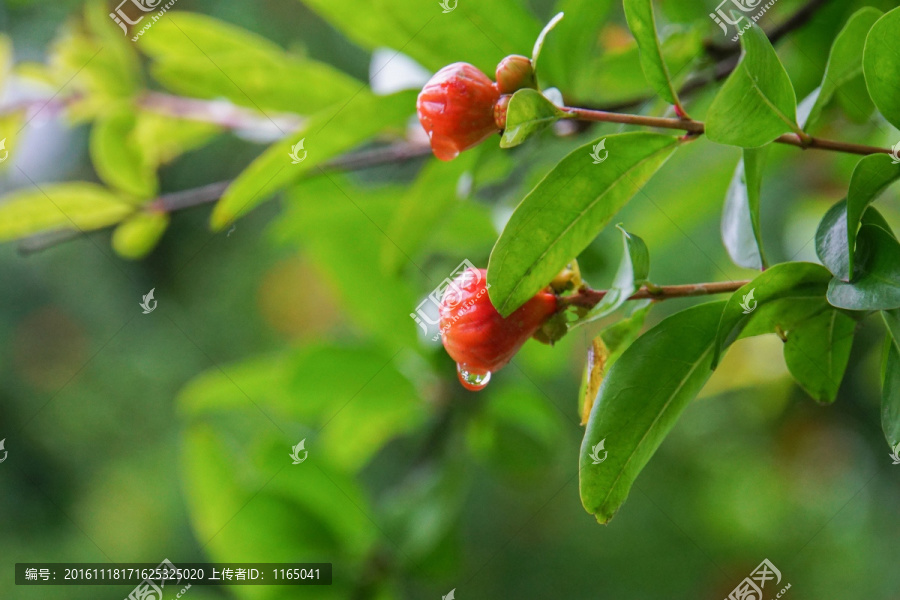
<point>472,379</point>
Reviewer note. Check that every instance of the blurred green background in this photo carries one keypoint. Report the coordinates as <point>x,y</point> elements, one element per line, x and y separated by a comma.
<point>137,437</point>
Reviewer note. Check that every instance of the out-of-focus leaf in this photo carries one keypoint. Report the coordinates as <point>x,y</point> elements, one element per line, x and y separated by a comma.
<point>431,37</point>
<point>640,400</point>
<point>574,41</point>
<point>890,389</point>
<point>539,42</point>
<point>634,268</point>
<point>329,133</point>
<point>797,281</point>
<point>845,62</point>
<point>77,205</point>
<point>280,83</point>
<point>5,58</point>
<point>528,112</point>
<point>183,34</point>
<point>118,157</point>
<point>422,208</point>
<point>817,352</point>
<point>567,209</point>
<point>163,138</point>
<point>136,236</point>
<point>881,66</point>
<point>757,102</point>
<point>740,219</point>
<point>641,21</point>
<point>872,175</point>
<point>876,279</point>
<point>380,303</point>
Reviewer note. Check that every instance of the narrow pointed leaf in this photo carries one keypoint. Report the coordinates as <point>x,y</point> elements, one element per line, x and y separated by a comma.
<point>566,211</point>
<point>795,282</point>
<point>640,400</point>
<point>740,218</point>
<point>881,66</point>
<point>634,268</point>
<point>641,21</point>
<point>890,388</point>
<point>845,62</point>
<point>757,102</point>
<point>329,133</point>
<point>831,241</point>
<point>539,42</point>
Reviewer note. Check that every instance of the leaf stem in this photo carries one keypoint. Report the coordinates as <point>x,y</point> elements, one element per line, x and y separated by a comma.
<point>697,127</point>
<point>588,298</point>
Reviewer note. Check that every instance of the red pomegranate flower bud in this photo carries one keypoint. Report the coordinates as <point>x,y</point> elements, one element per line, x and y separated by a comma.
<point>477,337</point>
<point>456,108</point>
<point>514,73</point>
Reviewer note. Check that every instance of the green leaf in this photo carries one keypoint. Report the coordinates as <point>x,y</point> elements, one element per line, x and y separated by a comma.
<point>416,220</point>
<point>831,241</point>
<point>639,14</point>
<point>471,33</point>
<point>872,175</point>
<point>136,236</point>
<point>890,389</point>
<point>640,399</point>
<point>326,135</point>
<point>118,158</point>
<point>528,112</point>
<point>794,281</point>
<point>162,138</point>
<point>845,62</point>
<point>539,42</point>
<point>876,279</point>
<point>740,218</point>
<point>881,66</point>
<point>817,352</point>
<point>184,34</point>
<point>566,211</point>
<point>79,206</point>
<point>757,102</point>
<point>633,271</point>
<point>278,83</point>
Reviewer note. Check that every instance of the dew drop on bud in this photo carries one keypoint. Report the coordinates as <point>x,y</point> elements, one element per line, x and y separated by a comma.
<point>472,379</point>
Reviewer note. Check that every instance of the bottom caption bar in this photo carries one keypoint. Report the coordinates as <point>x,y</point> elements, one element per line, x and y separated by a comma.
<point>168,574</point>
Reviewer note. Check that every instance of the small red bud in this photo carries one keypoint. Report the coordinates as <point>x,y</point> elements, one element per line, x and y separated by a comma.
<point>477,337</point>
<point>514,73</point>
<point>456,108</point>
<point>500,111</point>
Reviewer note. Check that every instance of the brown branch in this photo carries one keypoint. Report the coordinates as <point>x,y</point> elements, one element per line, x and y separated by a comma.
<point>800,140</point>
<point>588,298</point>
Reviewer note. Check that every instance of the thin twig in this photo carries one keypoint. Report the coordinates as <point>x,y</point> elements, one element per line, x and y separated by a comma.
<point>697,128</point>
<point>588,298</point>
